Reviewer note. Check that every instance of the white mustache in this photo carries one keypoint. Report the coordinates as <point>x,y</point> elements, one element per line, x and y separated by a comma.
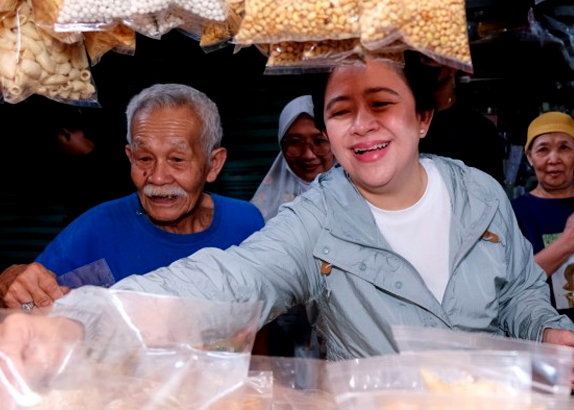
<point>154,190</point>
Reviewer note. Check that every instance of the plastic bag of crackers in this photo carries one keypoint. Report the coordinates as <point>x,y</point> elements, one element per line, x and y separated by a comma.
<point>438,381</point>
<point>33,62</point>
<point>436,28</point>
<point>551,364</point>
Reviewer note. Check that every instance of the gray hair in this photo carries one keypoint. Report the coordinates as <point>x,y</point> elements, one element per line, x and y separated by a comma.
<point>176,95</point>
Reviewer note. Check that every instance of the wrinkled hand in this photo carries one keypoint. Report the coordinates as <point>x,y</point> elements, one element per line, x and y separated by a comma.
<point>26,283</point>
<point>560,337</point>
<point>33,347</point>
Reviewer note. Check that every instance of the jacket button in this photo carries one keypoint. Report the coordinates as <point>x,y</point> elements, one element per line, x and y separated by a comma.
<point>363,267</point>
<point>325,250</point>
<point>398,285</point>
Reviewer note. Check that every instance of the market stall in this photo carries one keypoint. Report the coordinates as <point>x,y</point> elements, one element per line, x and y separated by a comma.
<point>52,49</point>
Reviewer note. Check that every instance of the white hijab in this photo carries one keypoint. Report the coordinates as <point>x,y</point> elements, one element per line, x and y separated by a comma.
<point>281,185</point>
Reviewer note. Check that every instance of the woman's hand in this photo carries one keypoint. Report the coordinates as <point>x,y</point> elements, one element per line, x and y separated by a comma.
<point>560,337</point>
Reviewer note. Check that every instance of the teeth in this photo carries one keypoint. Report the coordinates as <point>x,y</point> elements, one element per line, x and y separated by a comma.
<point>373,148</point>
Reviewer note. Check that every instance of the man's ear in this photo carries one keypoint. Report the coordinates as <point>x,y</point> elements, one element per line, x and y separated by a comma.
<point>218,157</point>
<point>129,152</point>
<point>529,158</point>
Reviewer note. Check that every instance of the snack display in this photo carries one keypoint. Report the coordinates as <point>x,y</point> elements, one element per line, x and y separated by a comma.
<point>327,52</point>
<point>435,28</point>
<point>8,6</point>
<point>33,62</point>
<point>274,21</point>
<point>120,39</point>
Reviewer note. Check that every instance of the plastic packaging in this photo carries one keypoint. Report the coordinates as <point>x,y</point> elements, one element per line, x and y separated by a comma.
<point>298,384</point>
<point>275,21</point>
<point>436,28</point>
<point>33,62</point>
<point>45,15</point>
<point>8,6</point>
<point>445,380</point>
<point>551,364</point>
<point>96,274</point>
<point>121,39</point>
<point>175,353</point>
<point>310,56</point>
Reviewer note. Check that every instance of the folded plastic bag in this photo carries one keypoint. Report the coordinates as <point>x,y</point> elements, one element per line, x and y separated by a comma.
<point>551,364</point>
<point>96,274</point>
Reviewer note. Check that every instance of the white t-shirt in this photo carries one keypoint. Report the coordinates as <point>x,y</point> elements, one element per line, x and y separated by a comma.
<point>420,233</point>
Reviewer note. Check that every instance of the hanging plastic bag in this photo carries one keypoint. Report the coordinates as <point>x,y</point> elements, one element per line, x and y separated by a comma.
<point>311,56</point>
<point>45,15</point>
<point>435,28</point>
<point>275,21</point>
<point>33,62</point>
<point>8,7</point>
<point>121,39</point>
<point>551,364</point>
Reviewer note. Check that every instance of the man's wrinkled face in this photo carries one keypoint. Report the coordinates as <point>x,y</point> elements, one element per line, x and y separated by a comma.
<point>169,166</point>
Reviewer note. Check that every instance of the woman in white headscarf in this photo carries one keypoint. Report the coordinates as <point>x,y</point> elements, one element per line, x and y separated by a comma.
<point>305,153</point>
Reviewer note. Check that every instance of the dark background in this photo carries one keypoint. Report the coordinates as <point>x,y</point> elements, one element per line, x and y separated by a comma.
<point>516,70</point>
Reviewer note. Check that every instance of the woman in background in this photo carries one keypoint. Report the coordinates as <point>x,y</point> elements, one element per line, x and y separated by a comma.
<point>545,214</point>
<point>305,153</point>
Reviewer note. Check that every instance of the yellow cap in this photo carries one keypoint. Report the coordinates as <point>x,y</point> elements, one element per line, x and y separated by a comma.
<point>546,123</point>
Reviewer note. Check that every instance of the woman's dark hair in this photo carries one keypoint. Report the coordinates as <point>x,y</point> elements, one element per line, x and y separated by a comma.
<point>422,80</point>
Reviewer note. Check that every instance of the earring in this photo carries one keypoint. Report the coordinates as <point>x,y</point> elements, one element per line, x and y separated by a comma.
<point>422,131</point>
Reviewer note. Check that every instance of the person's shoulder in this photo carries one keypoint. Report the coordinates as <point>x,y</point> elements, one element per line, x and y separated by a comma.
<point>473,178</point>
<point>110,208</point>
<point>236,206</point>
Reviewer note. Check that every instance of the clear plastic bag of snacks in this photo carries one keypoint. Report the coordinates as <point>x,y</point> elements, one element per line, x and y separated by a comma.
<point>447,380</point>
<point>33,62</point>
<point>8,6</point>
<point>45,15</point>
<point>149,18</point>
<point>551,364</point>
<point>275,21</point>
<point>308,56</point>
<point>298,384</point>
<point>436,28</point>
<point>120,39</point>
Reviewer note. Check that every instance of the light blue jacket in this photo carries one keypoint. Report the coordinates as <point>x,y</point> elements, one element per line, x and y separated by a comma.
<point>366,288</point>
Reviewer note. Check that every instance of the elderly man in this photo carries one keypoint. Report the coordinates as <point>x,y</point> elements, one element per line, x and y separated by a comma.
<point>174,136</point>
